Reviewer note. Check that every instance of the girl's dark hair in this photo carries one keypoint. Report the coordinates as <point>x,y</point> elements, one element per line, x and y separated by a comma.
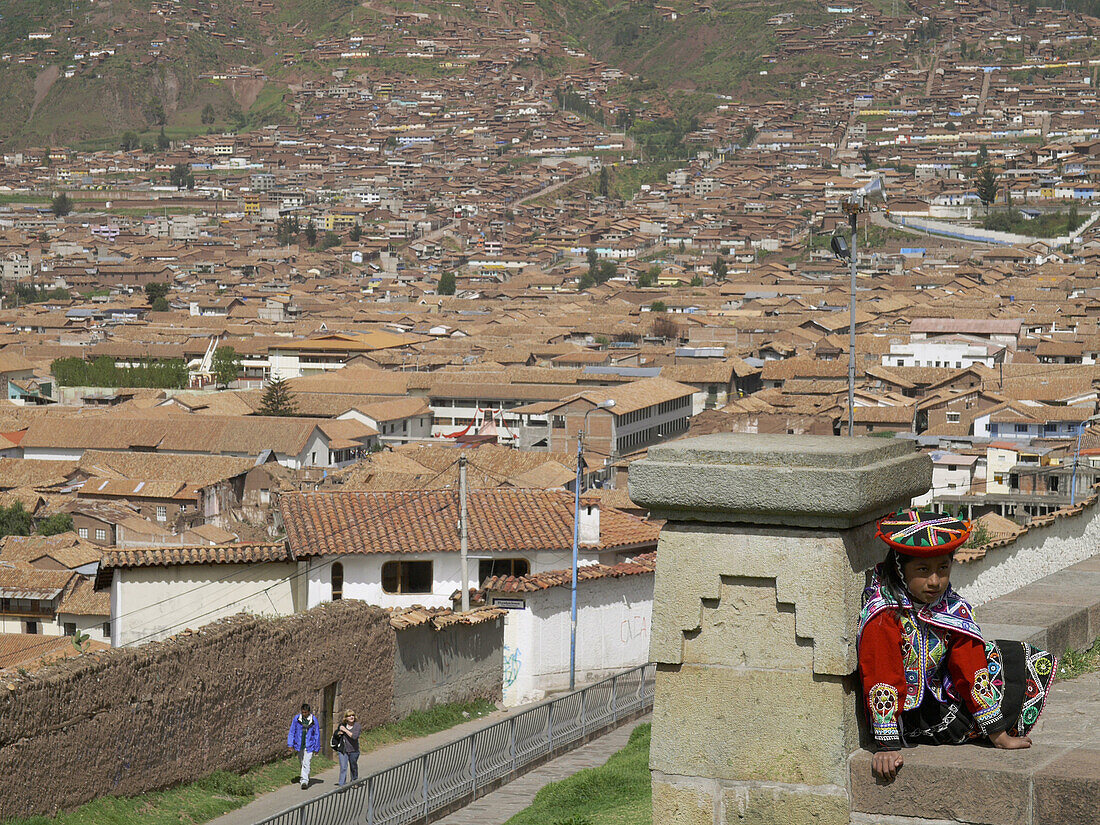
<point>892,565</point>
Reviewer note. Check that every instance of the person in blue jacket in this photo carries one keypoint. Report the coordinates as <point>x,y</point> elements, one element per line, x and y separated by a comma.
<point>305,738</point>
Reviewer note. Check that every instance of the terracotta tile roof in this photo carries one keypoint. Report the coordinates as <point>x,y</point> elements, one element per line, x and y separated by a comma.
<point>21,581</point>
<point>30,651</point>
<point>440,617</point>
<point>208,554</point>
<point>500,520</point>
<point>82,599</point>
<point>637,566</point>
<point>67,549</point>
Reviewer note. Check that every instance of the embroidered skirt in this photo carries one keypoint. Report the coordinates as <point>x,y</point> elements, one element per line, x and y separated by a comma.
<point>1021,676</point>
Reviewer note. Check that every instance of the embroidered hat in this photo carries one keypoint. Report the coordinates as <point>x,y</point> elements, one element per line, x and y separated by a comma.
<point>923,532</point>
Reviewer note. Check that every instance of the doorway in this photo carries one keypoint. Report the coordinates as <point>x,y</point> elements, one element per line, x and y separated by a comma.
<point>330,705</point>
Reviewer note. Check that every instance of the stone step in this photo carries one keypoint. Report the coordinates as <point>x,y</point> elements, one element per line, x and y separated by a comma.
<point>1044,785</point>
<point>1057,781</point>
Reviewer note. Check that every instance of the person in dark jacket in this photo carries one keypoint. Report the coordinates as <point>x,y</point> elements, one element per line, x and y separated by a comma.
<point>305,738</point>
<point>349,747</point>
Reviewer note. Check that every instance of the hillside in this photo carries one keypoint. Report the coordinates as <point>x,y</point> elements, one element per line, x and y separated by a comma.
<point>85,72</point>
<point>74,70</point>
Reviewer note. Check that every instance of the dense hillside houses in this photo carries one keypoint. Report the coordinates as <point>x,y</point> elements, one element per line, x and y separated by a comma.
<point>250,356</point>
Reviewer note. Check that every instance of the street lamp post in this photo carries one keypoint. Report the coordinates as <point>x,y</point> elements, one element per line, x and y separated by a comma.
<point>868,196</point>
<point>603,405</point>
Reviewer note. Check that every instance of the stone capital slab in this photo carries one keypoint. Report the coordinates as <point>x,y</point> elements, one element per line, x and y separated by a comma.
<point>793,480</point>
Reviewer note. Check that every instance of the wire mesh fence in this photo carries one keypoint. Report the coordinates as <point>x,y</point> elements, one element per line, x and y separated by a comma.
<point>413,791</point>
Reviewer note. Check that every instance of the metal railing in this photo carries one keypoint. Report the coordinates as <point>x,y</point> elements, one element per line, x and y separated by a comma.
<point>413,791</point>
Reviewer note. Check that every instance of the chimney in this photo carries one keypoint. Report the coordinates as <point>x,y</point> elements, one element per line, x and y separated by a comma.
<point>590,519</point>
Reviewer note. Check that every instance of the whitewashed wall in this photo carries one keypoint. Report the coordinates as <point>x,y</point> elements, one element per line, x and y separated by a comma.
<point>613,622</point>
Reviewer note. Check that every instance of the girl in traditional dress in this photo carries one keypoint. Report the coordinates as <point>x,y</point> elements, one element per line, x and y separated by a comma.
<point>928,675</point>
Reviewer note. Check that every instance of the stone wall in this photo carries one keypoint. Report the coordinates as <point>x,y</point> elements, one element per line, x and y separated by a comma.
<point>456,664</point>
<point>131,720</point>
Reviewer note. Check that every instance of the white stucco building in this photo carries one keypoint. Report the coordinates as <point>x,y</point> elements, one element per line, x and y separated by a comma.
<point>614,614</point>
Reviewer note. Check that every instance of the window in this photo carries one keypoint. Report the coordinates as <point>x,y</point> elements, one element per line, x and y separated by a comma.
<point>953,418</point>
<point>337,581</point>
<point>999,478</point>
<point>162,512</point>
<point>82,532</point>
<point>70,628</point>
<point>502,567</point>
<point>407,577</point>
<point>107,630</point>
<point>100,534</point>
<point>30,627</point>
<point>1021,428</point>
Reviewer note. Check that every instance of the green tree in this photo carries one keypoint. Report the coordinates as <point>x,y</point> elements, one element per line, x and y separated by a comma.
<point>604,186</point>
<point>181,176</point>
<point>983,155</point>
<point>649,277</point>
<point>160,305</point>
<point>593,259</point>
<point>986,186</point>
<point>54,524</point>
<point>720,268</point>
<point>605,271</point>
<point>61,205</point>
<point>311,234</point>
<point>162,140</point>
<point>208,114</point>
<point>227,365</point>
<point>748,136</point>
<point>1073,217</point>
<point>329,240</point>
<point>697,280</point>
<point>446,285</point>
<point>15,521</point>
<point>154,290</point>
<point>278,399</point>
<point>129,141</point>
<point>658,306</point>
<point>355,233</point>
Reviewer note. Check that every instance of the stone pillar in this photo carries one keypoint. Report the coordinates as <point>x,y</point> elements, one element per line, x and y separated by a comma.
<point>760,571</point>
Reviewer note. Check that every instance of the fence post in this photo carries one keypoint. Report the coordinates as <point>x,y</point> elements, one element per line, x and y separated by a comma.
<point>370,800</point>
<point>614,698</point>
<point>424,783</point>
<point>584,715</point>
<point>473,767</point>
<point>550,726</point>
<point>512,745</point>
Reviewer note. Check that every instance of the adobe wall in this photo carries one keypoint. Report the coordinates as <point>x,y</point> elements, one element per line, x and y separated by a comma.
<point>136,719</point>
<point>456,664</point>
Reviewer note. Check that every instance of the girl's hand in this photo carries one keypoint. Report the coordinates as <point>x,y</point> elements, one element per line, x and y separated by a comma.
<point>1010,743</point>
<point>885,765</point>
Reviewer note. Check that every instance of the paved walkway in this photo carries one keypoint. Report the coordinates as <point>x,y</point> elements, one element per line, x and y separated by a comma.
<point>494,807</point>
<point>377,760</point>
<point>508,800</point>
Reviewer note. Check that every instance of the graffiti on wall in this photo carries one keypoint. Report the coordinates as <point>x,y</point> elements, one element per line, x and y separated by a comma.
<point>635,627</point>
<point>513,660</point>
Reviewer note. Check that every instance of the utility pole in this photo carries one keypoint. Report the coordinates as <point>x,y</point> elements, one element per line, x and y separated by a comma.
<point>573,581</point>
<point>462,532</point>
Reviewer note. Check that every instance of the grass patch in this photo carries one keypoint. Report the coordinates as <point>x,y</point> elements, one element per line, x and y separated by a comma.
<point>616,793</point>
<point>224,791</point>
<point>1047,225</point>
<point>1079,662</point>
